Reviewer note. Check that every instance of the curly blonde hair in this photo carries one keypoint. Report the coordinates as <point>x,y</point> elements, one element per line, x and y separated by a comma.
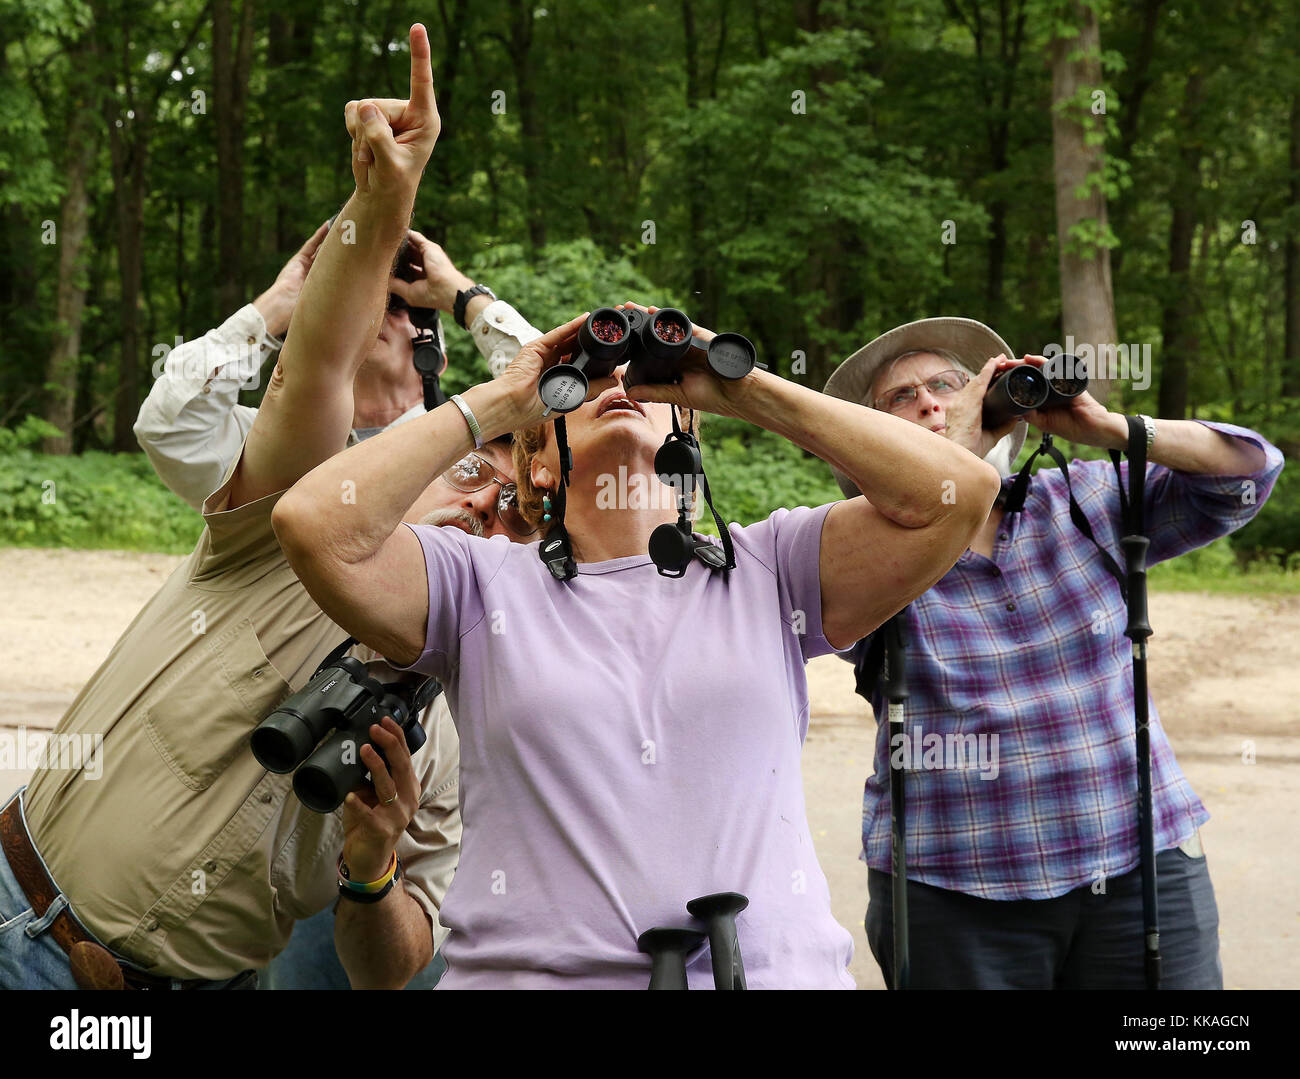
<point>529,443</point>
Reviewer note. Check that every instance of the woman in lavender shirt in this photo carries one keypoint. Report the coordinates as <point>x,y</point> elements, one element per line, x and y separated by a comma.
<point>629,741</point>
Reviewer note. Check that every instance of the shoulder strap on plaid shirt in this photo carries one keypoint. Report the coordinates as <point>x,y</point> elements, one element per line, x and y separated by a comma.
<point>1130,502</point>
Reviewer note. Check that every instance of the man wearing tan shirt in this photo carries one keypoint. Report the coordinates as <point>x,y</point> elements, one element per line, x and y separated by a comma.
<point>176,860</point>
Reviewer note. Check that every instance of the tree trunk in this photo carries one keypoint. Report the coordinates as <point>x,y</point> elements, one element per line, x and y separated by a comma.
<point>128,161</point>
<point>231,59</point>
<point>530,128</point>
<point>1291,349</point>
<point>289,44</point>
<point>1178,340</point>
<point>82,143</point>
<point>1087,300</point>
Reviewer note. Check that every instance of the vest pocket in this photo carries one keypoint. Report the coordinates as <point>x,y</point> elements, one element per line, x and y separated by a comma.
<point>203,716</point>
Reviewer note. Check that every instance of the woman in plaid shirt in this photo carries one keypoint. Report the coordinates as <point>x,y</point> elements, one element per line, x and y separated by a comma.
<point>1020,759</point>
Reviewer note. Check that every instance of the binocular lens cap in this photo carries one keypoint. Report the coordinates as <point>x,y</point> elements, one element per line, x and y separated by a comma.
<point>731,355</point>
<point>562,388</point>
<point>670,548</point>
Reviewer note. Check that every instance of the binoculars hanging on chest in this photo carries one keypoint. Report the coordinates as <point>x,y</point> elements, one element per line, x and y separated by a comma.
<point>318,732</point>
<point>654,346</point>
<point>1025,388</point>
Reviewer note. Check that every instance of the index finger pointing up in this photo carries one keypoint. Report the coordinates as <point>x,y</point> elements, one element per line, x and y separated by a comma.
<point>421,69</point>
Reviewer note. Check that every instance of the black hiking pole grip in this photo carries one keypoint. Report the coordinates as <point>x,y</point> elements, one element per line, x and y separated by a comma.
<point>718,913</point>
<point>668,949</point>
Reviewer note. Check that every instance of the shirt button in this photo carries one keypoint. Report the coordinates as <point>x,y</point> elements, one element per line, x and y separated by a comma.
<point>1011,606</point>
<point>266,797</point>
<point>211,867</point>
<point>151,925</point>
<point>1002,535</point>
<point>259,672</point>
<point>997,572</point>
<point>252,340</point>
<point>207,389</point>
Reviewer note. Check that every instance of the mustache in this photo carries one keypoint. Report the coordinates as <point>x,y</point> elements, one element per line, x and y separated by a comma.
<point>446,517</point>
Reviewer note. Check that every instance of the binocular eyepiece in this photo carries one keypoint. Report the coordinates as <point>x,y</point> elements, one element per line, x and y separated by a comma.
<point>320,730</point>
<point>653,345</point>
<point>1024,388</point>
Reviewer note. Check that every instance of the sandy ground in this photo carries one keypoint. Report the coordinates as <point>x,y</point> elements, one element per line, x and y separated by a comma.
<point>1225,671</point>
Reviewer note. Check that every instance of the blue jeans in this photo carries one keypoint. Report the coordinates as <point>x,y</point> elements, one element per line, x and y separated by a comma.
<point>310,960</point>
<point>1080,940</point>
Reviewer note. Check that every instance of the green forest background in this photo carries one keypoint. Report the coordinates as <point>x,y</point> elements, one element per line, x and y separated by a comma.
<point>810,173</point>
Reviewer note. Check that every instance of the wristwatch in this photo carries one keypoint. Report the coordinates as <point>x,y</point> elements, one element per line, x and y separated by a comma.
<point>1150,426</point>
<point>463,298</point>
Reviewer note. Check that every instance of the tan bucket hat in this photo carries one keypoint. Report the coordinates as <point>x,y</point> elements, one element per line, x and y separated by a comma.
<point>971,342</point>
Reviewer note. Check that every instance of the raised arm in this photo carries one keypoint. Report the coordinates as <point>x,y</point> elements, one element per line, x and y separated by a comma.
<point>307,411</point>
<point>364,568</point>
<point>191,425</point>
<point>924,496</point>
<point>497,329</point>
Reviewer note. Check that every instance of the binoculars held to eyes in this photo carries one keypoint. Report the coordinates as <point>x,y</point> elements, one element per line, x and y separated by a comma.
<point>654,346</point>
<point>342,700</point>
<point>1024,388</point>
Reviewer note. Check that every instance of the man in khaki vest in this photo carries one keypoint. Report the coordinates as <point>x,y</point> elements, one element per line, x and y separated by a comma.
<point>166,857</point>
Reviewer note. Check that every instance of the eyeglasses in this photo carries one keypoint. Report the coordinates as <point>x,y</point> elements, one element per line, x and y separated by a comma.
<point>944,384</point>
<point>472,473</point>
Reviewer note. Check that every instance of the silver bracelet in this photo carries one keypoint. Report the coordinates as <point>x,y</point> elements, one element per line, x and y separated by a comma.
<point>475,431</point>
<point>1150,425</point>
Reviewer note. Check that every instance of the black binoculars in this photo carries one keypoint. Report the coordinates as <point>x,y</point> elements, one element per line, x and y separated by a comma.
<point>653,346</point>
<point>341,701</point>
<point>668,947</point>
<point>1025,388</point>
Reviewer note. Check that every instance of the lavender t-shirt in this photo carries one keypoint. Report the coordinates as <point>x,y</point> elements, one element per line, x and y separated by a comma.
<point>629,742</point>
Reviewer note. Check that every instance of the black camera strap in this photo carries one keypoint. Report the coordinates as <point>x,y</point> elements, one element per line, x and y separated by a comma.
<point>1014,502</point>
<point>420,700</point>
<point>705,551</point>
<point>556,549</point>
<point>429,357</point>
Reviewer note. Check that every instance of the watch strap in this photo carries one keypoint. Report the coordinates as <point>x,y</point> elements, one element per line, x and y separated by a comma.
<point>463,299</point>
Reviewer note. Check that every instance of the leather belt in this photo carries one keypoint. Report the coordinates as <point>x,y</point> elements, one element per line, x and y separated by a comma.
<point>93,965</point>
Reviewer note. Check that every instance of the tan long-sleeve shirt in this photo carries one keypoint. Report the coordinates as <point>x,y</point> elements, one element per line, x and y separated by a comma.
<point>185,855</point>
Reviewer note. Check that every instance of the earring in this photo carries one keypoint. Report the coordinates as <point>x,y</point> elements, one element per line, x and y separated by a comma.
<point>546,507</point>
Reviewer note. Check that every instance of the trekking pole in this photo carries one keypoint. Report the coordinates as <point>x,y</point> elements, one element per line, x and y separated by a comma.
<point>1135,545</point>
<point>894,675</point>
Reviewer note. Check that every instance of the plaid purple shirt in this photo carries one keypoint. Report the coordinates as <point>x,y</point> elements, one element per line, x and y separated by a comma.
<point>1029,649</point>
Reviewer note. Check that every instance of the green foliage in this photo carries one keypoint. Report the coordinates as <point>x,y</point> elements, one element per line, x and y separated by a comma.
<point>97,500</point>
<point>1216,568</point>
<point>752,472</point>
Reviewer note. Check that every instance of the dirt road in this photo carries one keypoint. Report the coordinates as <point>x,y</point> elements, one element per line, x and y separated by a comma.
<point>1225,671</point>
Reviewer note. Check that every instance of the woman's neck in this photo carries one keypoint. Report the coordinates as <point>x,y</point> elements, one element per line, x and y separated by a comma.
<point>613,514</point>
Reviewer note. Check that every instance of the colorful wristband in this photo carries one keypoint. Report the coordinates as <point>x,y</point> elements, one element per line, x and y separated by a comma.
<point>367,887</point>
